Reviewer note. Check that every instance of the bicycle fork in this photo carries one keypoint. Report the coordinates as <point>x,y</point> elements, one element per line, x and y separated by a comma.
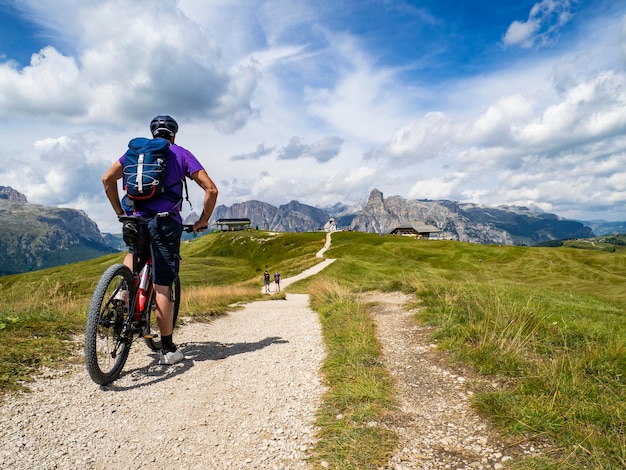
<point>143,299</point>
<point>142,292</point>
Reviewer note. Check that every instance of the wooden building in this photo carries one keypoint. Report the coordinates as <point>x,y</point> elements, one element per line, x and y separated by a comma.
<point>418,230</point>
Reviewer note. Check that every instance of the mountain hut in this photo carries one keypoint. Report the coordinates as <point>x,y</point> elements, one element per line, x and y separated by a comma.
<point>418,230</point>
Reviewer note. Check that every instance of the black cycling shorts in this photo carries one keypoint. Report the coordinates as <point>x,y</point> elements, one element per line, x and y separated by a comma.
<point>165,234</point>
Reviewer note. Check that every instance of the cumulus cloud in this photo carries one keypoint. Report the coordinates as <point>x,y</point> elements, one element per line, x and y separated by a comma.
<point>123,67</point>
<point>544,21</point>
<point>49,86</point>
<point>589,111</point>
<point>61,170</point>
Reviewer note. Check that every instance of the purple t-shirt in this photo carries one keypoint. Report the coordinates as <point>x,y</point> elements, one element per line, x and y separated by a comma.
<point>181,163</point>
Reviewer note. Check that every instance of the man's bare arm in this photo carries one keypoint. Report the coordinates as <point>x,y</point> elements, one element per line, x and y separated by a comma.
<point>109,180</point>
<point>210,198</point>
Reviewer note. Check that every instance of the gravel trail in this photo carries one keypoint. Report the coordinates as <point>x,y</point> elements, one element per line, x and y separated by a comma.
<point>245,398</point>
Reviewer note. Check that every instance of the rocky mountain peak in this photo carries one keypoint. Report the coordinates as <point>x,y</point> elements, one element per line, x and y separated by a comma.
<point>375,198</point>
<point>11,195</point>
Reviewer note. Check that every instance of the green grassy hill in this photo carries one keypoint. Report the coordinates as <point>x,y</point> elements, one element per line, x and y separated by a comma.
<point>549,323</point>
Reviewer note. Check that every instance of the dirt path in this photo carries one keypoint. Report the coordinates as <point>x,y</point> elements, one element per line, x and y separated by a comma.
<point>438,428</point>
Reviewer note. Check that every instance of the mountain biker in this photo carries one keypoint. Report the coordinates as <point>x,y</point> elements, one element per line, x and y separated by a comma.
<point>162,216</point>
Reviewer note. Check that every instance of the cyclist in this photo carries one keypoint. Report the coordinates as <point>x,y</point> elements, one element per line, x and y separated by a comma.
<point>164,222</point>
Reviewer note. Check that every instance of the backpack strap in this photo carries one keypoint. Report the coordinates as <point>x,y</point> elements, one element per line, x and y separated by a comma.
<point>169,194</point>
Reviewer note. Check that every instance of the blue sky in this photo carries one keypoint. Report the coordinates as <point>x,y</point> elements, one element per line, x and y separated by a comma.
<point>510,102</point>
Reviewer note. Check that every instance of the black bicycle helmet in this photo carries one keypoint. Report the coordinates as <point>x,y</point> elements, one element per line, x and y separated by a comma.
<point>164,124</point>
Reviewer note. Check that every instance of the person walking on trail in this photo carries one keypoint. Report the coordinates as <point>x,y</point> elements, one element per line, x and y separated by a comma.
<point>266,281</point>
<point>277,281</point>
<point>162,216</point>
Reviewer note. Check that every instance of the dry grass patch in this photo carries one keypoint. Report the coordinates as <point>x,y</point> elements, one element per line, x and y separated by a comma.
<point>204,302</point>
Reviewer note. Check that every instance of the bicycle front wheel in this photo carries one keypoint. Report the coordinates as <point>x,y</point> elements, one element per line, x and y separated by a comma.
<point>153,338</point>
<point>108,335</point>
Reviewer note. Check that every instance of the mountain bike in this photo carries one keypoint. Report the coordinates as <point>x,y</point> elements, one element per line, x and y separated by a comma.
<point>122,308</point>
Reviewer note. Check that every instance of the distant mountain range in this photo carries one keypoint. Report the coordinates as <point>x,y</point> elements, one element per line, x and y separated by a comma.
<point>35,237</point>
<point>510,225</point>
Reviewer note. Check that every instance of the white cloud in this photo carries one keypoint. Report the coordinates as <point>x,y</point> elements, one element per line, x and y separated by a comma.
<point>516,125</point>
<point>589,111</point>
<point>63,171</point>
<point>362,174</point>
<point>49,86</point>
<point>428,138</point>
<point>492,127</point>
<point>544,21</point>
<point>438,187</point>
<point>365,100</point>
<point>521,32</point>
<point>280,18</point>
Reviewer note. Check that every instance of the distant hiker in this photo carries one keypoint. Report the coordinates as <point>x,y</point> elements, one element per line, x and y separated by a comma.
<point>160,209</point>
<point>277,281</point>
<point>266,280</point>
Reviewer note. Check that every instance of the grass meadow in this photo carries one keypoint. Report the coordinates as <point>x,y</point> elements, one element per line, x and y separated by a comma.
<point>548,324</point>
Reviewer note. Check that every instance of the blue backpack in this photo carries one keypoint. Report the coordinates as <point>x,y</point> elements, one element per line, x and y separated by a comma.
<point>144,168</point>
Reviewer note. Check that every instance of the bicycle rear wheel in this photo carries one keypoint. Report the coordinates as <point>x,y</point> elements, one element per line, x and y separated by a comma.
<point>108,336</point>
<point>153,338</point>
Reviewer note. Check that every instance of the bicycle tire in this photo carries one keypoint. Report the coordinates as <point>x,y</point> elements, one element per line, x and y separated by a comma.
<point>106,348</point>
<point>153,340</point>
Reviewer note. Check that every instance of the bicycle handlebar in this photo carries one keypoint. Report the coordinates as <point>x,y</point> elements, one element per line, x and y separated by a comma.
<point>189,228</point>
<point>131,218</point>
